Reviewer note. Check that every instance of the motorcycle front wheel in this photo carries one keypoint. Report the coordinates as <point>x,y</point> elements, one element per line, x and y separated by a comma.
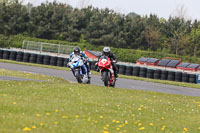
<point>78,76</point>
<point>105,78</point>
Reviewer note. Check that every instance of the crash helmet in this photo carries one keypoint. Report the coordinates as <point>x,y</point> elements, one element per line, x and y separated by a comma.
<point>106,51</point>
<point>77,51</point>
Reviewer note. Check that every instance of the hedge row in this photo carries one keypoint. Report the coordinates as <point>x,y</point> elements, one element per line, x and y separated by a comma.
<point>125,55</point>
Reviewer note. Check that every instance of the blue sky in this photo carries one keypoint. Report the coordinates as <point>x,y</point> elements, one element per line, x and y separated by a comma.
<point>162,8</point>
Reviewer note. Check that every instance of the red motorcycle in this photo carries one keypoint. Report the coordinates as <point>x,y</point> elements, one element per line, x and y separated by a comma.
<point>106,70</point>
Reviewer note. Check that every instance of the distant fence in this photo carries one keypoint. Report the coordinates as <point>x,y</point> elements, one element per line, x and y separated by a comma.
<point>47,47</point>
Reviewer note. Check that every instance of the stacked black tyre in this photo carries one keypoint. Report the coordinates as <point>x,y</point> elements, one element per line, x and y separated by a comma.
<point>122,69</point>
<point>93,66</point>
<point>26,57</point>
<point>40,59</point>
<point>150,73</point>
<point>178,76</point>
<point>192,78</point>
<point>1,54</point>
<point>53,60</point>
<point>157,74</point>
<point>143,72</point>
<point>164,75</point>
<point>46,60</point>
<point>12,55</point>
<point>185,77</point>
<point>129,70</point>
<point>136,71</point>
<point>33,58</point>
<point>60,61</point>
<point>171,75</point>
<point>20,56</point>
<point>6,54</point>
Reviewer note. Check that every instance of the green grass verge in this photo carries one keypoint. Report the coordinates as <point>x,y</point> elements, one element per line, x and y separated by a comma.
<point>59,107</point>
<point>120,76</point>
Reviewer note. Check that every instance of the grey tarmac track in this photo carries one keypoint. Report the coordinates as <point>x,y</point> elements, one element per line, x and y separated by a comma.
<point>121,83</point>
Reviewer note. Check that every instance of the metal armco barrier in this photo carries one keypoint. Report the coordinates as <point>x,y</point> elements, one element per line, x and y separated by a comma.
<point>123,69</point>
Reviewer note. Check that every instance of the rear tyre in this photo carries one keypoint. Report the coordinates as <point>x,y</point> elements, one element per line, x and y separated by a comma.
<point>105,78</point>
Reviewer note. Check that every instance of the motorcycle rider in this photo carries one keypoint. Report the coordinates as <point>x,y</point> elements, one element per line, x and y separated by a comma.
<point>106,52</point>
<point>85,67</point>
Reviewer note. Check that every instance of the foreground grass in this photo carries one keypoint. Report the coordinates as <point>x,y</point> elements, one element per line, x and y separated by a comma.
<point>59,107</point>
<point>120,76</point>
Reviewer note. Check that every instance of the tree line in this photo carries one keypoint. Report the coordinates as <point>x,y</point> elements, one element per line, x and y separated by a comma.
<point>100,27</point>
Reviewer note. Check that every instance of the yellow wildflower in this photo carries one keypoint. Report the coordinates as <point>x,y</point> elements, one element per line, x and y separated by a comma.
<point>117,121</point>
<point>26,129</point>
<point>185,129</point>
<point>38,115</point>
<point>64,117</point>
<point>56,123</point>
<point>101,117</point>
<point>33,126</point>
<point>142,128</point>
<point>162,118</point>
<point>77,116</point>
<point>105,132</point>
<point>139,124</point>
<point>113,120</point>
<point>139,108</point>
<point>151,124</point>
<point>56,111</point>
<point>41,124</point>
<point>118,129</point>
<point>47,113</point>
<point>14,103</point>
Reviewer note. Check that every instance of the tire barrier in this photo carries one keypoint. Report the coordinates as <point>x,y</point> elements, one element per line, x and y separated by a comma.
<point>136,71</point>
<point>60,61</point>
<point>171,75</point>
<point>129,70</point>
<point>66,60</point>
<point>53,60</point>
<point>46,60</point>
<point>93,66</point>
<point>33,58</point>
<point>20,56</point>
<point>40,59</point>
<point>143,72</point>
<point>157,74</point>
<point>192,78</point>
<point>1,54</point>
<point>178,76</point>
<point>122,69</point>
<point>150,73</point>
<point>26,57</point>
<point>6,54</point>
<point>12,55</point>
<point>164,75</point>
<point>185,77</point>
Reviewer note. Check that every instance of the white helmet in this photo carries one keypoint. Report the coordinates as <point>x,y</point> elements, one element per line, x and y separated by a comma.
<point>106,50</point>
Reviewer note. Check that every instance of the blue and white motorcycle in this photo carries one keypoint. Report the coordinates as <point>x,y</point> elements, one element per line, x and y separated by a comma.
<point>76,66</point>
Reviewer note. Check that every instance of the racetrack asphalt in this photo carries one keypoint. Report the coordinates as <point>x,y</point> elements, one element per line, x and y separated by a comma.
<point>95,79</point>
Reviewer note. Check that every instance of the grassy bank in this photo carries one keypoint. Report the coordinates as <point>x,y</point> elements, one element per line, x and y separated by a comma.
<point>59,106</point>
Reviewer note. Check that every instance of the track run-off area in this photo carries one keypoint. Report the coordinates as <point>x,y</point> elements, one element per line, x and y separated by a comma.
<point>95,80</point>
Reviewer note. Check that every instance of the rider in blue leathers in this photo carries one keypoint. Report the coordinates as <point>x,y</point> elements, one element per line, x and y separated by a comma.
<point>85,68</point>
